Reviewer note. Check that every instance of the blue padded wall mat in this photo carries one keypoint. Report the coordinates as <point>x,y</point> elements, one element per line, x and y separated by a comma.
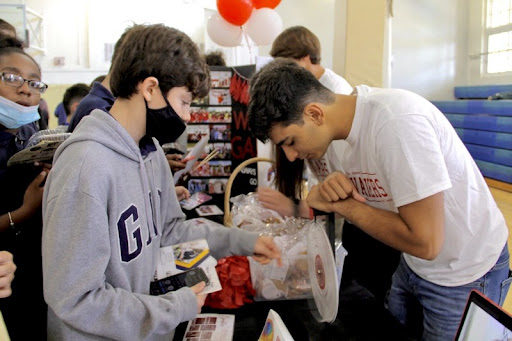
<point>476,106</point>
<point>480,91</point>
<point>494,171</point>
<point>501,124</point>
<point>485,138</point>
<point>490,154</point>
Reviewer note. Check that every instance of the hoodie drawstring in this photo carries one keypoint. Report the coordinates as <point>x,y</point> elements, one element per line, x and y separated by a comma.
<point>147,202</point>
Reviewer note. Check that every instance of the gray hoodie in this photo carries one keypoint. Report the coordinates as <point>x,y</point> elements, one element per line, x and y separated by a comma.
<point>107,211</point>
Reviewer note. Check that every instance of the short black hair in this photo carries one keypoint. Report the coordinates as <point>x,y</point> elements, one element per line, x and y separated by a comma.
<point>73,94</point>
<point>279,92</point>
<point>162,52</point>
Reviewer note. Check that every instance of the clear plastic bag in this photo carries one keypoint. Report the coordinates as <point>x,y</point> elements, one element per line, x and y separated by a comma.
<point>58,134</point>
<point>291,280</point>
<point>271,282</point>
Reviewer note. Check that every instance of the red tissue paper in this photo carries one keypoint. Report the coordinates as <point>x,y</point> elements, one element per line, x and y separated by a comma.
<point>235,278</point>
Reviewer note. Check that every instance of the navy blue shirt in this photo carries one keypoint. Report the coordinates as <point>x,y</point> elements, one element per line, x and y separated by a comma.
<point>10,145</point>
<point>60,113</point>
<point>27,287</point>
<point>98,98</point>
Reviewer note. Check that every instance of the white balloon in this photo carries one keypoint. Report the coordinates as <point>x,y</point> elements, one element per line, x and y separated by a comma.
<point>223,33</point>
<point>264,26</point>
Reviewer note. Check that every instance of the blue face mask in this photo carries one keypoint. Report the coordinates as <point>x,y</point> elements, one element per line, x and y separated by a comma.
<point>14,115</point>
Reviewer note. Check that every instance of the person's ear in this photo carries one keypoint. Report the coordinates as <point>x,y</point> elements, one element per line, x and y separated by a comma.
<point>73,107</point>
<point>149,88</point>
<point>315,113</point>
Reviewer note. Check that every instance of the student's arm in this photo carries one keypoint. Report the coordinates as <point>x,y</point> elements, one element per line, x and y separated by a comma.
<point>175,162</point>
<point>31,203</point>
<point>417,228</point>
<point>277,201</point>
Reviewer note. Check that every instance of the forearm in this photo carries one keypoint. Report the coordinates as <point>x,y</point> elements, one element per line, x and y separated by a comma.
<point>17,216</point>
<point>303,209</point>
<point>387,227</point>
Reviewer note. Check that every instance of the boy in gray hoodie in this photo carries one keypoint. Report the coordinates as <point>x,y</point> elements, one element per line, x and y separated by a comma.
<point>109,203</point>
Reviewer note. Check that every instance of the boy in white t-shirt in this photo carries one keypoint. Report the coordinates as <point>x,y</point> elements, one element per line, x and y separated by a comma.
<point>303,47</point>
<point>408,181</point>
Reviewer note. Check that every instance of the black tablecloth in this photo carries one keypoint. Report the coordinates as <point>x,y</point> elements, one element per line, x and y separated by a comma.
<point>361,312</point>
<point>360,317</point>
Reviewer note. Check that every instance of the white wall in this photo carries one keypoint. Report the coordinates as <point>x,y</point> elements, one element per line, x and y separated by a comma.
<point>430,46</point>
<point>429,37</point>
<point>318,16</point>
<point>78,30</point>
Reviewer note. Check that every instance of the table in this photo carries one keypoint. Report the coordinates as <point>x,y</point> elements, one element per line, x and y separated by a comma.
<point>360,317</point>
<point>361,313</point>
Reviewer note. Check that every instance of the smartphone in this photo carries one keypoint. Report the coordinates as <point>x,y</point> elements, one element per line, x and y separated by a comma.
<point>183,279</point>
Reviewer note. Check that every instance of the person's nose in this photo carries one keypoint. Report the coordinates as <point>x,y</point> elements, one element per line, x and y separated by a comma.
<point>24,89</point>
<point>185,116</point>
<point>291,154</point>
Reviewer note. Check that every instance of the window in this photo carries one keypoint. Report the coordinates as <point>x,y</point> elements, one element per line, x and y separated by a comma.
<point>498,37</point>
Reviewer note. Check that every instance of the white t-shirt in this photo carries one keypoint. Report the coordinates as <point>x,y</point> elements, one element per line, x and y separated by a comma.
<point>335,82</point>
<point>403,149</point>
<point>317,170</point>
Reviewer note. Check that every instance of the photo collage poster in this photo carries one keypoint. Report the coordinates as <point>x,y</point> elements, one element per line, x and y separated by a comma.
<point>211,116</point>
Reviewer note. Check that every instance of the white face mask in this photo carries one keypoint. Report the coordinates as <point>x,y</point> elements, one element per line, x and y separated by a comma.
<point>14,115</point>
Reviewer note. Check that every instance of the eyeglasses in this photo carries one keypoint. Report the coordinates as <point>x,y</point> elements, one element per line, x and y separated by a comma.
<point>16,81</point>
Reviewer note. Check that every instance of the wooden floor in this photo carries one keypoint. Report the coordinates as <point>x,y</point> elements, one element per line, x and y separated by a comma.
<point>503,198</point>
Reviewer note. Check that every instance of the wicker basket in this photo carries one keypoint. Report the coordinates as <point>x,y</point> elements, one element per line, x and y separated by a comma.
<point>228,220</point>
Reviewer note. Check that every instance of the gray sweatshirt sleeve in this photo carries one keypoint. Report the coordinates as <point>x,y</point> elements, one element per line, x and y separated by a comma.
<point>223,241</point>
<point>76,256</point>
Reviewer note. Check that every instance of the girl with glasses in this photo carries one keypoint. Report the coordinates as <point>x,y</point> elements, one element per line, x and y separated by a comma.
<point>21,190</point>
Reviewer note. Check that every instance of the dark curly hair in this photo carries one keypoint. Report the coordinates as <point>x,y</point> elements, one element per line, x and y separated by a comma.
<point>215,58</point>
<point>278,94</point>
<point>10,44</point>
<point>7,29</point>
<point>162,52</point>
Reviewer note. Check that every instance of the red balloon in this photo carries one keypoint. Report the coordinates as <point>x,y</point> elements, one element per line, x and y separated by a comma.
<point>235,12</point>
<point>265,3</point>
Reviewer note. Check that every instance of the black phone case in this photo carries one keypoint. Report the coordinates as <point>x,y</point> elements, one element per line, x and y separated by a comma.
<point>184,279</point>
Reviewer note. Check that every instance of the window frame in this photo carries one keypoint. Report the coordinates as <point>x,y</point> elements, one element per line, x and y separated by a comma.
<point>486,33</point>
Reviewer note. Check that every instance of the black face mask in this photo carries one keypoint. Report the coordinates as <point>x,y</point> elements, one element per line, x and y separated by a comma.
<point>164,124</point>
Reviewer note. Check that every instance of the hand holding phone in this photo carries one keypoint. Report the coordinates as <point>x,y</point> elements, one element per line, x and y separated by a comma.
<point>187,278</point>
<point>200,297</point>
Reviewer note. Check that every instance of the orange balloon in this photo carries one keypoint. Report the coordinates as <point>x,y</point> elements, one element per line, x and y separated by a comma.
<point>265,3</point>
<point>235,12</point>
